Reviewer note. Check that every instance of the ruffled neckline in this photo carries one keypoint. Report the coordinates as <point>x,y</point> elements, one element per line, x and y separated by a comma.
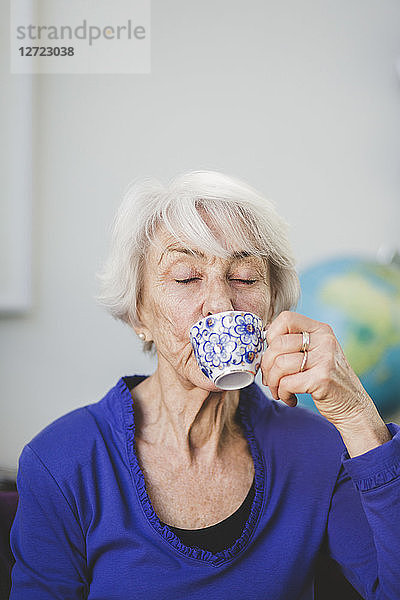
<point>259,480</point>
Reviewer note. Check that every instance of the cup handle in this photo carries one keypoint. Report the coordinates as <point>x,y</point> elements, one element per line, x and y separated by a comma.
<point>264,337</point>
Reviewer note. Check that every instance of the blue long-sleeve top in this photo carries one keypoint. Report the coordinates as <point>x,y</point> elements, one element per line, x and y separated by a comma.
<point>85,526</point>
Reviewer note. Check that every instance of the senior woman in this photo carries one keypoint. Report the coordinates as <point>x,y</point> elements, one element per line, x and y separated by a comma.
<point>170,487</point>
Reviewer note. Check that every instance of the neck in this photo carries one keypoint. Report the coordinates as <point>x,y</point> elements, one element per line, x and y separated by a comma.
<point>174,413</point>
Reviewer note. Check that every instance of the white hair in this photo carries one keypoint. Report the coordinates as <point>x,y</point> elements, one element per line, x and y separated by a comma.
<point>246,218</point>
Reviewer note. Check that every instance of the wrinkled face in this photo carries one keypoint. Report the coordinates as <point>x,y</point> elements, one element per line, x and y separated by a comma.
<point>180,287</point>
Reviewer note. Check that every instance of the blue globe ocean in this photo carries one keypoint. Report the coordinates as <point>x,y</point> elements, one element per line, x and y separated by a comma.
<point>360,299</point>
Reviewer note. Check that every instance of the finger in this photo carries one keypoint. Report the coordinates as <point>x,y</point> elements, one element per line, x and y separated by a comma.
<point>284,365</point>
<point>297,383</point>
<point>291,322</point>
<point>289,399</point>
<point>282,344</point>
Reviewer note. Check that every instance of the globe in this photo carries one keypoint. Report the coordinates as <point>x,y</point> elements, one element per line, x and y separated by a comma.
<point>360,299</point>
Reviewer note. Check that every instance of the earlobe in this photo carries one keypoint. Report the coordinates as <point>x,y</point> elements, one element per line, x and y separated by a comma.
<point>140,330</point>
<point>137,326</point>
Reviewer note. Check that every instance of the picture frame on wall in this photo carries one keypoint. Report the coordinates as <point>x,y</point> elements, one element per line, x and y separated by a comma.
<point>16,193</point>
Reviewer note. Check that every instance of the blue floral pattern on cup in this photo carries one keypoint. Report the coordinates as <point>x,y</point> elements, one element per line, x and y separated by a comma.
<point>229,341</point>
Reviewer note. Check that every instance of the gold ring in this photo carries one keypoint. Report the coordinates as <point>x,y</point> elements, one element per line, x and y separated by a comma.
<point>306,341</point>
<point>303,362</point>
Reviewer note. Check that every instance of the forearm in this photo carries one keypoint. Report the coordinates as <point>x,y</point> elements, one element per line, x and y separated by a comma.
<point>363,528</point>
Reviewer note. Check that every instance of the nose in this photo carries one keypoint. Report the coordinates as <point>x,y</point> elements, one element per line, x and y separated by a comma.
<point>218,298</point>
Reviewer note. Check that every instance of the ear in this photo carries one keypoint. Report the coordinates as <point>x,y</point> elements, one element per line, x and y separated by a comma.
<point>140,329</point>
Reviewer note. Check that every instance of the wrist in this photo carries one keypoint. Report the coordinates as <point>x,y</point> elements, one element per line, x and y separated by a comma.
<point>364,432</point>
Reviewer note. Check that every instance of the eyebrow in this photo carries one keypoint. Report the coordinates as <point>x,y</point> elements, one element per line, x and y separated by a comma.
<point>243,254</point>
<point>182,250</point>
<point>239,254</point>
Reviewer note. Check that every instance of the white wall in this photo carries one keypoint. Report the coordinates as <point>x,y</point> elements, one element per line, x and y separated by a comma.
<point>299,97</point>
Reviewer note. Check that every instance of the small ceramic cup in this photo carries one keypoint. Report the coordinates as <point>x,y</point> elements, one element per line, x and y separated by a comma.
<point>228,347</point>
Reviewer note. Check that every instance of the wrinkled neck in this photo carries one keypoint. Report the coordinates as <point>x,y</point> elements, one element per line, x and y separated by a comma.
<point>176,414</point>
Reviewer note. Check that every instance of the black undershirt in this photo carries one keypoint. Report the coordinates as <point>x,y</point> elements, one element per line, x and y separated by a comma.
<point>220,536</point>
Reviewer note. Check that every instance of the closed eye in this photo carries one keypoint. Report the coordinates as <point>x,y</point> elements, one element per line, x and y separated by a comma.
<point>245,281</point>
<point>189,280</point>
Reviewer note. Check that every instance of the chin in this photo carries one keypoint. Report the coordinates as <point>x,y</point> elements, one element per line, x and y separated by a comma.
<point>193,375</point>
<point>198,379</point>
